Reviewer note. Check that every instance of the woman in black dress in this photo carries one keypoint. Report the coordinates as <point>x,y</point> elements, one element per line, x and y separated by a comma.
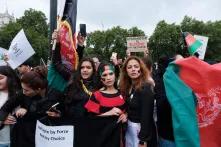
<point>106,106</point>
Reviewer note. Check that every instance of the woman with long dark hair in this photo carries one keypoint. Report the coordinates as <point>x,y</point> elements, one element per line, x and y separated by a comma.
<point>106,107</point>
<point>9,88</point>
<point>134,84</point>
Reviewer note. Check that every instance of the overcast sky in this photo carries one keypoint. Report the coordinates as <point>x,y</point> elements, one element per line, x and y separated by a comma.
<point>145,14</point>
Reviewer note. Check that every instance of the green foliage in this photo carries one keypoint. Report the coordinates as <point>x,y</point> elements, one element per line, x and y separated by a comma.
<point>36,29</point>
<point>165,40</point>
<point>103,43</point>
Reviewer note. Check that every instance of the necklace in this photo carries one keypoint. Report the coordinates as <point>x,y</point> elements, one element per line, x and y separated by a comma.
<point>85,89</point>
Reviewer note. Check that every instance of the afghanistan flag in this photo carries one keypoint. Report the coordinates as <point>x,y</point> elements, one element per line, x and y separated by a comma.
<point>68,53</point>
<point>191,42</point>
<point>193,88</point>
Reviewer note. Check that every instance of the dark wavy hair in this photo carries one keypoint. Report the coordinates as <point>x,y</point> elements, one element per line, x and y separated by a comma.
<point>35,79</point>
<point>13,82</point>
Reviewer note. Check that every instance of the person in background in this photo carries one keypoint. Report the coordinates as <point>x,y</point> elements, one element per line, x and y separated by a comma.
<point>9,87</point>
<point>24,67</point>
<point>96,62</point>
<point>138,90</point>
<point>164,112</point>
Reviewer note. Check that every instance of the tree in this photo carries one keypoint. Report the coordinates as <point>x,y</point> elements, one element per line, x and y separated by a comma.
<point>36,29</point>
<point>166,40</point>
<point>103,43</point>
<point>209,29</point>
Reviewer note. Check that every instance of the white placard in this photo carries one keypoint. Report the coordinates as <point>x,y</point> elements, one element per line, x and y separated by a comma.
<point>2,53</point>
<point>53,136</point>
<point>137,44</point>
<point>20,50</point>
<point>202,50</point>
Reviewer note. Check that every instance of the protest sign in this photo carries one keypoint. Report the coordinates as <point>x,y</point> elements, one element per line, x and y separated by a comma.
<point>53,136</point>
<point>137,44</point>
<point>202,50</point>
<point>20,50</point>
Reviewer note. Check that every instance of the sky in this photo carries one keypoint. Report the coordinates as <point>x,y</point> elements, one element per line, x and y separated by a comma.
<point>145,14</point>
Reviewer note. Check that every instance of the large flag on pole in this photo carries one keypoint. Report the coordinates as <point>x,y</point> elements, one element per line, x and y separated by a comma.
<point>67,32</point>
<point>194,92</point>
<point>191,42</point>
<point>69,57</point>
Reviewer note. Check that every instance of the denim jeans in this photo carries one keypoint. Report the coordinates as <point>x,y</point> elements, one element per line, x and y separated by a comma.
<point>4,145</point>
<point>166,143</point>
<point>132,132</point>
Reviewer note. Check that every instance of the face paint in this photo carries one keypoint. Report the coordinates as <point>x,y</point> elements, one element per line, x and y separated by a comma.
<point>108,76</point>
<point>107,67</point>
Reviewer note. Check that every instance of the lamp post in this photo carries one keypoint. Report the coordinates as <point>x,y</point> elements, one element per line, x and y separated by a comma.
<point>53,18</point>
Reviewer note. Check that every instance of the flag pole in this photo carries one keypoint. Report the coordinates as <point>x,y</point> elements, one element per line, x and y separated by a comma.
<point>59,18</point>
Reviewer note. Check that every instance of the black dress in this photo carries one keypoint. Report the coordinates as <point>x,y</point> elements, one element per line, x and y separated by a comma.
<point>23,132</point>
<point>103,131</point>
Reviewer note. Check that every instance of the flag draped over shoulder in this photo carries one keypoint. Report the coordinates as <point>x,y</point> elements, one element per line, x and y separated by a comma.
<point>193,88</point>
<point>191,42</point>
<point>68,53</point>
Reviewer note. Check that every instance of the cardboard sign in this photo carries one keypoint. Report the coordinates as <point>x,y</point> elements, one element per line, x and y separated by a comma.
<point>137,44</point>
<point>20,50</point>
<point>54,136</point>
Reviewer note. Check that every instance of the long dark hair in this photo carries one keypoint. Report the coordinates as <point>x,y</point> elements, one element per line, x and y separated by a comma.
<point>13,82</point>
<point>75,85</point>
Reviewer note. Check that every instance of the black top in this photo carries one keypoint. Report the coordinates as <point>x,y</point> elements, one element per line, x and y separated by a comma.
<point>164,112</point>
<point>140,110</point>
<point>76,98</point>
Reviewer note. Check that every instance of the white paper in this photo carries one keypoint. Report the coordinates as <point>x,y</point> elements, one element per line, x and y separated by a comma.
<point>53,136</point>
<point>202,50</point>
<point>20,50</point>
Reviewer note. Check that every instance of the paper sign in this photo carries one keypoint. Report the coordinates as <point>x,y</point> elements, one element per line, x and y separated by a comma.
<point>2,53</point>
<point>54,136</point>
<point>20,50</point>
<point>137,44</point>
<point>202,50</point>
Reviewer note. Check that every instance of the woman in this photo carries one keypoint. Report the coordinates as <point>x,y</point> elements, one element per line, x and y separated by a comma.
<point>34,85</point>
<point>135,86</point>
<point>9,88</point>
<point>107,110</point>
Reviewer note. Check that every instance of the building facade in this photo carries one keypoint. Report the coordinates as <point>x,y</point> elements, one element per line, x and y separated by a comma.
<point>5,18</point>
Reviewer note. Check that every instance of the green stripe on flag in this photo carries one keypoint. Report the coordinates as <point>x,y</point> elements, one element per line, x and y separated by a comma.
<point>193,47</point>
<point>55,80</point>
<point>182,101</point>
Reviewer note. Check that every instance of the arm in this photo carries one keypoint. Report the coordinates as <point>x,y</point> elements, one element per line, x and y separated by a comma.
<point>147,106</point>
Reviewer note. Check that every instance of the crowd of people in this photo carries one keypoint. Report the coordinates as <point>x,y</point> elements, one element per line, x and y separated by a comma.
<point>108,105</point>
